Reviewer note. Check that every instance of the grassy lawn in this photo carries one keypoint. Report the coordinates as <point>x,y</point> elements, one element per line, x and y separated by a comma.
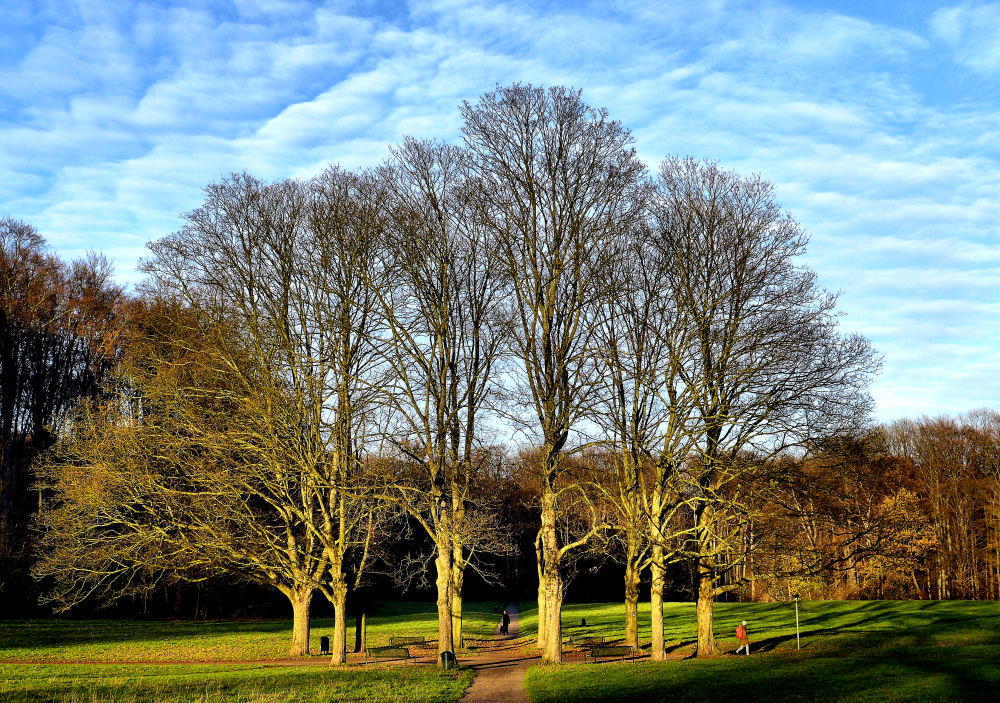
<point>235,682</point>
<point>851,651</point>
<point>122,641</point>
<point>100,652</point>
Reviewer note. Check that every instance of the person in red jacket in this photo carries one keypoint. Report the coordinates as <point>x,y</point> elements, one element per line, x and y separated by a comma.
<point>743,637</point>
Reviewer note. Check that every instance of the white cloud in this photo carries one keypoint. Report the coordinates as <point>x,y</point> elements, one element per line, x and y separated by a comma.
<point>114,116</point>
<point>973,33</point>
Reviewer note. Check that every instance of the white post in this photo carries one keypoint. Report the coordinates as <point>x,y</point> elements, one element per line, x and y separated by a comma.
<point>797,644</point>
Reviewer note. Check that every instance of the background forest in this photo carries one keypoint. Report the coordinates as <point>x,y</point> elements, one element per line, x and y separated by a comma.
<point>520,366</point>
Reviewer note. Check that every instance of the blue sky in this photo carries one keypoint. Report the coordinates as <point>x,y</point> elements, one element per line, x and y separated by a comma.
<point>879,123</point>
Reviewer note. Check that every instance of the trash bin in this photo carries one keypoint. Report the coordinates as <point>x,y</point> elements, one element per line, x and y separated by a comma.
<point>324,645</point>
<point>448,660</point>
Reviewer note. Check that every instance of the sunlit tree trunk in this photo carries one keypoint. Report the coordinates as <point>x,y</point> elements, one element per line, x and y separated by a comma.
<point>656,650</point>
<point>632,597</point>
<point>552,580</point>
<point>540,565</point>
<point>339,652</point>
<point>300,599</point>
<point>457,581</point>
<point>705,616</point>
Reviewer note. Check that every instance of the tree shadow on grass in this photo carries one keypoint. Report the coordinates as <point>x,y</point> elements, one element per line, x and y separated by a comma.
<point>870,679</point>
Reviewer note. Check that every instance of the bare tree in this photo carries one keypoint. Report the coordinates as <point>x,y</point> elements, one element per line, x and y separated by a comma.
<point>445,319</point>
<point>766,368</point>
<point>556,181</point>
<point>283,269</point>
<point>341,271</point>
<point>645,413</point>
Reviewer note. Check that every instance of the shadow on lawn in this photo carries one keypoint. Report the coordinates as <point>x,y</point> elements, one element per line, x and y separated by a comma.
<point>67,634</point>
<point>37,634</point>
<point>868,679</point>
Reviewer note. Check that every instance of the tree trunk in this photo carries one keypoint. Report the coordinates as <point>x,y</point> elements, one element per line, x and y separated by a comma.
<point>539,563</point>
<point>706,635</point>
<point>632,604</point>
<point>361,632</point>
<point>457,581</point>
<point>300,598</point>
<point>339,644</point>
<point>456,608</point>
<point>446,642</point>
<point>552,653</point>
<point>552,644</point>
<point>656,649</point>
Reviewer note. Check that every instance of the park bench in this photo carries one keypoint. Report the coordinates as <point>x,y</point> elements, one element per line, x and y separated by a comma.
<point>388,653</point>
<point>401,640</point>
<point>617,651</point>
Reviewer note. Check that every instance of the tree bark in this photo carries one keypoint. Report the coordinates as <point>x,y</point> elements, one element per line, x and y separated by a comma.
<point>552,643</point>
<point>446,642</point>
<point>540,564</point>
<point>632,604</point>
<point>300,598</point>
<point>706,634</point>
<point>458,579</point>
<point>552,653</point>
<point>656,649</point>
<point>339,644</point>
<point>361,632</point>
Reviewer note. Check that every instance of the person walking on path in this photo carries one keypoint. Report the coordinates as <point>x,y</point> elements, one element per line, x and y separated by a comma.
<point>500,673</point>
<point>743,638</point>
<point>505,623</point>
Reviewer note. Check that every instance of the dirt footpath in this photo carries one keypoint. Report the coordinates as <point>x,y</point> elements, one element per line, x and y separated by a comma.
<point>500,673</point>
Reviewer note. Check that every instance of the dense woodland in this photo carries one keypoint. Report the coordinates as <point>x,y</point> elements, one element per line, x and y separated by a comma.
<point>515,366</point>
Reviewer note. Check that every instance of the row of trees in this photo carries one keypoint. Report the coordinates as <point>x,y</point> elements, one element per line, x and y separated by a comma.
<point>941,486</point>
<point>312,364</point>
<point>58,323</point>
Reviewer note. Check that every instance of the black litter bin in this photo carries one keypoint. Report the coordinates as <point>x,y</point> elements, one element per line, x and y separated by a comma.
<point>448,660</point>
<point>324,645</point>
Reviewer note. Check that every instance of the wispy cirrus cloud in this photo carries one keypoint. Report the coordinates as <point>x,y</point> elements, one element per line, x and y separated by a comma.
<point>972,31</point>
<point>880,131</point>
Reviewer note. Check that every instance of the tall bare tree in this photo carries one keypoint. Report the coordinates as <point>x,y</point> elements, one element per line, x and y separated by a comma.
<point>341,271</point>
<point>645,414</point>
<point>767,367</point>
<point>445,319</point>
<point>285,270</point>
<point>556,180</point>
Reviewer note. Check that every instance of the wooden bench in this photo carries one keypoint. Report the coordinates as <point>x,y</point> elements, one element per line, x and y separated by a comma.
<point>399,641</point>
<point>388,653</point>
<point>617,651</point>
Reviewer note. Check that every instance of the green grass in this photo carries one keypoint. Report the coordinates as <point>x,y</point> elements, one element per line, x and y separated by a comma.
<point>234,682</point>
<point>851,651</point>
<point>123,641</point>
<point>98,660</point>
<point>772,678</point>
